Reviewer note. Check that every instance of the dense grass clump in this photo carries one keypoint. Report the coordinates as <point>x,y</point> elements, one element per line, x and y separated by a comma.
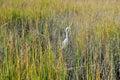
<point>32,31</point>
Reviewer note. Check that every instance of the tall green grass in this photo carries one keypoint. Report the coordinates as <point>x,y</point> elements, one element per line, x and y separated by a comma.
<point>31,33</point>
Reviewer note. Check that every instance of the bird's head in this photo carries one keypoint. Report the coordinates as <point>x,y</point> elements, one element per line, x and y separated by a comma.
<point>67,29</point>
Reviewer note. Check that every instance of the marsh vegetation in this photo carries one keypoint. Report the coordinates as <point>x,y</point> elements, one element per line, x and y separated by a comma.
<point>32,31</point>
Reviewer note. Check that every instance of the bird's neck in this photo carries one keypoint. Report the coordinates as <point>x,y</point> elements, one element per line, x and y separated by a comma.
<point>66,35</point>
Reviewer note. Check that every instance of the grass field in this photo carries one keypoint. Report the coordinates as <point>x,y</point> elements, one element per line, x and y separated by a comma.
<point>32,31</point>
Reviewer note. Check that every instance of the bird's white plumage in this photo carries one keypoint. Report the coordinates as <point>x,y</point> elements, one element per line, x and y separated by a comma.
<point>65,42</point>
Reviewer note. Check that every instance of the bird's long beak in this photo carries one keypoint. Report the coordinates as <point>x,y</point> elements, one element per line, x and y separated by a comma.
<point>69,28</point>
<point>70,24</point>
